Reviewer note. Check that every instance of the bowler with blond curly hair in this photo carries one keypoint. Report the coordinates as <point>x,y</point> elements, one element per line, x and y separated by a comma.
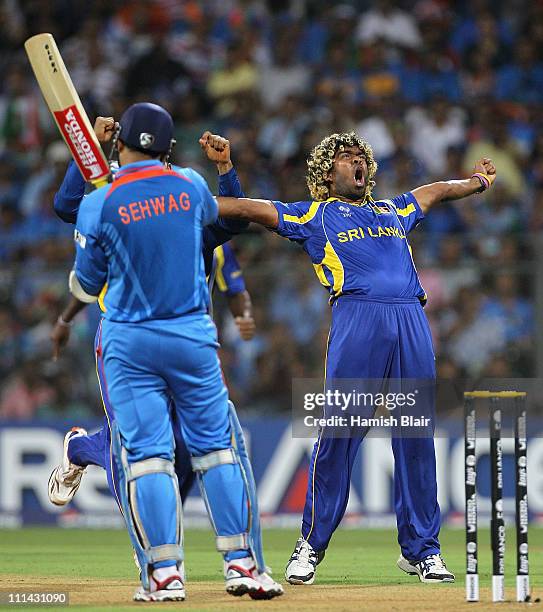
<point>321,161</point>
<point>360,252</point>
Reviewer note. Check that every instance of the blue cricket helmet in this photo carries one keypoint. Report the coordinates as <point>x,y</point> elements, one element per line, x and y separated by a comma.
<point>146,127</point>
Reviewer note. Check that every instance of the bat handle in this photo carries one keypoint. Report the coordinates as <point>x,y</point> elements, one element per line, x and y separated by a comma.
<point>101,182</point>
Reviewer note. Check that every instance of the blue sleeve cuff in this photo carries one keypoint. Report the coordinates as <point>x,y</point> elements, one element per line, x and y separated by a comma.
<point>411,199</point>
<point>236,289</point>
<point>280,222</point>
<point>229,185</point>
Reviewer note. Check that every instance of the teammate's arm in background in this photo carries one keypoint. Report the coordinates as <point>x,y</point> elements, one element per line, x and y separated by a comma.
<point>229,280</point>
<point>229,277</point>
<point>90,270</point>
<point>60,334</point>
<point>241,308</point>
<point>217,150</point>
<point>260,211</point>
<point>70,193</point>
<point>484,174</point>
<point>66,205</point>
<point>223,229</point>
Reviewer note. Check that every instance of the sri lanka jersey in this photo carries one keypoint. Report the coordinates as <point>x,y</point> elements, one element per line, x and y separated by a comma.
<point>357,249</point>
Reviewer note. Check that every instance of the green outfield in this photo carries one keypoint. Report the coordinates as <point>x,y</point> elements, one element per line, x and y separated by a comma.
<point>359,571</point>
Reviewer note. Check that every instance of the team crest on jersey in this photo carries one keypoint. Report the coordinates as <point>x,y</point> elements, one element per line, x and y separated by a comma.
<point>381,210</point>
<point>345,210</point>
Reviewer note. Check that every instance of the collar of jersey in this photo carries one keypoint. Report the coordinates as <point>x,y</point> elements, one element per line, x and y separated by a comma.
<point>137,167</point>
<point>334,199</point>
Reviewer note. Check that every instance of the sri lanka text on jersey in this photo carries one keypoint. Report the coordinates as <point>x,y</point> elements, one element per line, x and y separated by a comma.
<point>358,233</point>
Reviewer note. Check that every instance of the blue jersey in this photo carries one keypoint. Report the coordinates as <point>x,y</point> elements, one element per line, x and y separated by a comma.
<point>223,229</point>
<point>68,199</point>
<point>142,235</point>
<point>357,249</point>
<point>228,275</point>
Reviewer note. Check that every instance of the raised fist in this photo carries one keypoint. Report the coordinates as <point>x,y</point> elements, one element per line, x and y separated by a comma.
<point>485,166</point>
<point>104,128</point>
<point>215,147</point>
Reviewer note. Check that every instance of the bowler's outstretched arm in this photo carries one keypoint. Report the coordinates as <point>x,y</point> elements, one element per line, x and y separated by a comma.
<point>484,174</point>
<point>258,211</point>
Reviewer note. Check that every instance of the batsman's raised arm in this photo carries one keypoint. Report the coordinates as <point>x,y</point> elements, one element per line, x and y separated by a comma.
<point>70,193</point>
<point>258,211</point>
<point>484,174</point>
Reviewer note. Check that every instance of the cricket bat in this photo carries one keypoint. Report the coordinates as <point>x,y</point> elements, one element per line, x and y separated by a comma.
<point>64,103</point>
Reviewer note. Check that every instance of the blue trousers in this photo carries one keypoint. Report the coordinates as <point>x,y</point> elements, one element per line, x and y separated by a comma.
<point>379,339</point>
<point>146,366</point>
<point>95,449</point>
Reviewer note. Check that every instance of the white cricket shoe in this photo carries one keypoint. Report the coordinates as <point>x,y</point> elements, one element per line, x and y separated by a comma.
<point>66,477</point>
<point>242,577</point>
<point>302,565</point>
<point>163,586</point>
<point>429,569</point>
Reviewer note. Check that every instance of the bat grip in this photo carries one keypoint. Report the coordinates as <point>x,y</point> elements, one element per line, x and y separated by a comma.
<point>101,182</point>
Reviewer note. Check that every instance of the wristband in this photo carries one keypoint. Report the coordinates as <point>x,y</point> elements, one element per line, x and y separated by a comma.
<point>64,323</point>
<point>484,180</point>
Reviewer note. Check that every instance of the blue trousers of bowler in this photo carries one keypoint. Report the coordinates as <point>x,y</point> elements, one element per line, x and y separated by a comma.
<point>378,339</point>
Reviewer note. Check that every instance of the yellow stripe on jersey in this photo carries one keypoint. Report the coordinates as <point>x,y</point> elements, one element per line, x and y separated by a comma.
<point>219,276</point>
<point>405,212</point>
<point>101,298</point>
<point>333,263</point>
<point>319,271</point>
<point>310,214</point>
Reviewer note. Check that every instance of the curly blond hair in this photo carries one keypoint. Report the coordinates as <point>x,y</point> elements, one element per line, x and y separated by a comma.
<point>321,160</point>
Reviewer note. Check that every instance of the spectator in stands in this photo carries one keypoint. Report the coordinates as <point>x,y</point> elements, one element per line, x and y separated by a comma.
<point>286,76</point>
<point>473,339</point>
<point>433,131</point>
<point>24,393</point>
<point>522,79</point>
<point>432,88</point>
<point>514,312</point>
<point>238,77</point>
<point>385,21</point>
<point>48,174</point>
<point>492,137</point>
<point>279,138</point>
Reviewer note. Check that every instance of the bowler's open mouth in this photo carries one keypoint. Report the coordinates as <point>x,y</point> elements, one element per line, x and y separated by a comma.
<point>359,177</point>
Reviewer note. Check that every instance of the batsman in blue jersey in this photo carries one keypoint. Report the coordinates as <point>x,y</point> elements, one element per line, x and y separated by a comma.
<point>142,238</point>
<point>360,252</point>
<point>223,272</point>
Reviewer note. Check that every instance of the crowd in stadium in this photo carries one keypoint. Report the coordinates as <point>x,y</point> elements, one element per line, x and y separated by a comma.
<point>431,84</point>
